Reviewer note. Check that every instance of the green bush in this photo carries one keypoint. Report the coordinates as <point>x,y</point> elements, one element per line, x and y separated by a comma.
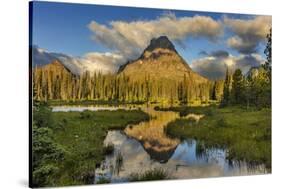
<point>42,174</point>
<point>42,115</point>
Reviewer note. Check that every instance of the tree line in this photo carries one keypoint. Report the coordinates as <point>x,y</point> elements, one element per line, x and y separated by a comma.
<point>254,89</point>
<point>61,84</point>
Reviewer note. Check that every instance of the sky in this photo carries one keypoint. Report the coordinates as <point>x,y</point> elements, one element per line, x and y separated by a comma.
<point>95,37</point>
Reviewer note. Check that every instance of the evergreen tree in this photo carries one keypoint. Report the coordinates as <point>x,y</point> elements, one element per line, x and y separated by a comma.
<point>267,52</point>
<point>226,88</point>
<point>237,87</point>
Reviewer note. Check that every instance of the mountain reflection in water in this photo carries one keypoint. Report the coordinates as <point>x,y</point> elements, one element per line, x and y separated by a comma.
<point>151,135</point>
<point>145,146</point>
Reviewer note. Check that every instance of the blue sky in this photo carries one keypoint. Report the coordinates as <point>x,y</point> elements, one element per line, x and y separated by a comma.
<point>63,28</point>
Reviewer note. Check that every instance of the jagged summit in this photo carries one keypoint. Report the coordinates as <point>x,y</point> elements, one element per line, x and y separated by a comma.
<point>161,42</point>
<point>158,47</point>
<point>161,62</point>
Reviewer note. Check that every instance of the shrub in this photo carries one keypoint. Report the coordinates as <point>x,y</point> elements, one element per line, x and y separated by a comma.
<point>41,175</point>
<point>42,115</point>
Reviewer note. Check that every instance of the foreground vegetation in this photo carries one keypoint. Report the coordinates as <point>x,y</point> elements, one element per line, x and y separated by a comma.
<point>68,146</point>
<point>246,133</point>
<point>149,175</point>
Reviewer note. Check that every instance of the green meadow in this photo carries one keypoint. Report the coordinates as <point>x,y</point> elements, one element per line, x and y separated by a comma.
<point>245,133</point>
<point>72,146</point>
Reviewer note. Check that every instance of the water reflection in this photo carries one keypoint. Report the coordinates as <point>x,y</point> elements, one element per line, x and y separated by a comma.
<point>78,108</point>
<point>184,163</point>
<point>145,146</point>
<point>152,136</point>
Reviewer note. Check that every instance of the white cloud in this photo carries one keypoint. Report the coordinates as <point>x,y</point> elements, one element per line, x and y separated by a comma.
<point>93,62</point>
<point>127,40</point>
<point>130,38</point>
<point>214,67</point>
<point>248,33</point>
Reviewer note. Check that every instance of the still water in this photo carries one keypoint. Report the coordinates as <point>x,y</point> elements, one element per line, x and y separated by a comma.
<point>145,146</point>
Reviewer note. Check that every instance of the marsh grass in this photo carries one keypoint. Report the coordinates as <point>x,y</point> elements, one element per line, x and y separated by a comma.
<point>149,175</point>
<point>185,110</point>
<point>82,135</point>
<point>245,133</point>
<point>103,180</point>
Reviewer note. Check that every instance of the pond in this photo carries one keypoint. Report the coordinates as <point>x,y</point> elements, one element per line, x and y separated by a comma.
<point>68,108</point>
<point>145,146</point>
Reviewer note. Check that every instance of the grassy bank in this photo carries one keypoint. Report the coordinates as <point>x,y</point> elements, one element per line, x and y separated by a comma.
<point>81,134</point>
<point>246,133</point>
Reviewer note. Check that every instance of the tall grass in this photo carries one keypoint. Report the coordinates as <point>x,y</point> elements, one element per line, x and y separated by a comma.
<point>245,133</point>
<point>103,180</point>
<point>82,135</point>
<point>153,174</point>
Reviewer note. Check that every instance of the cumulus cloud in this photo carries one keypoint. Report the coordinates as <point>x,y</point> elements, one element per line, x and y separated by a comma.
<point>248,33</point>
<point>130,38</point>
<point>214,67</point>
<point>127,40</point>
<point>92,62</point>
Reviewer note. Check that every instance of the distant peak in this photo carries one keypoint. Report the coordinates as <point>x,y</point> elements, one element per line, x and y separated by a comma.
<point>160,42</point>
<point>56,62</point>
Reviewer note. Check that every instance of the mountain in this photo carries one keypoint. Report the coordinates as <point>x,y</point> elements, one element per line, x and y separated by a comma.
<point>160,61</point>
<point>253,72</point>
<point>53,81</point>
<point>160,74</point>
<point>41,57</point>
<point>55,67</point>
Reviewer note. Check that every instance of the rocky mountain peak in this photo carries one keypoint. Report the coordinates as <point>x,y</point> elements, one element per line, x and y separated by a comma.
<point>161,42</point>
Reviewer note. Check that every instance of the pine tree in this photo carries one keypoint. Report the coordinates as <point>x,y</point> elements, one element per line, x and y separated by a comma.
<point>237,87</point>
<point>226,88</point>
<point>267,52</point>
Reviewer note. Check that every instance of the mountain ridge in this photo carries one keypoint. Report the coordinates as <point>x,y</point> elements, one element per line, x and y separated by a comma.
<point>160,60</point>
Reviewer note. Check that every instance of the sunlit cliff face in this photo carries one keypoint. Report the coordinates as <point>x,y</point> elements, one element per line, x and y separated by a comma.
<point>151,135</point>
